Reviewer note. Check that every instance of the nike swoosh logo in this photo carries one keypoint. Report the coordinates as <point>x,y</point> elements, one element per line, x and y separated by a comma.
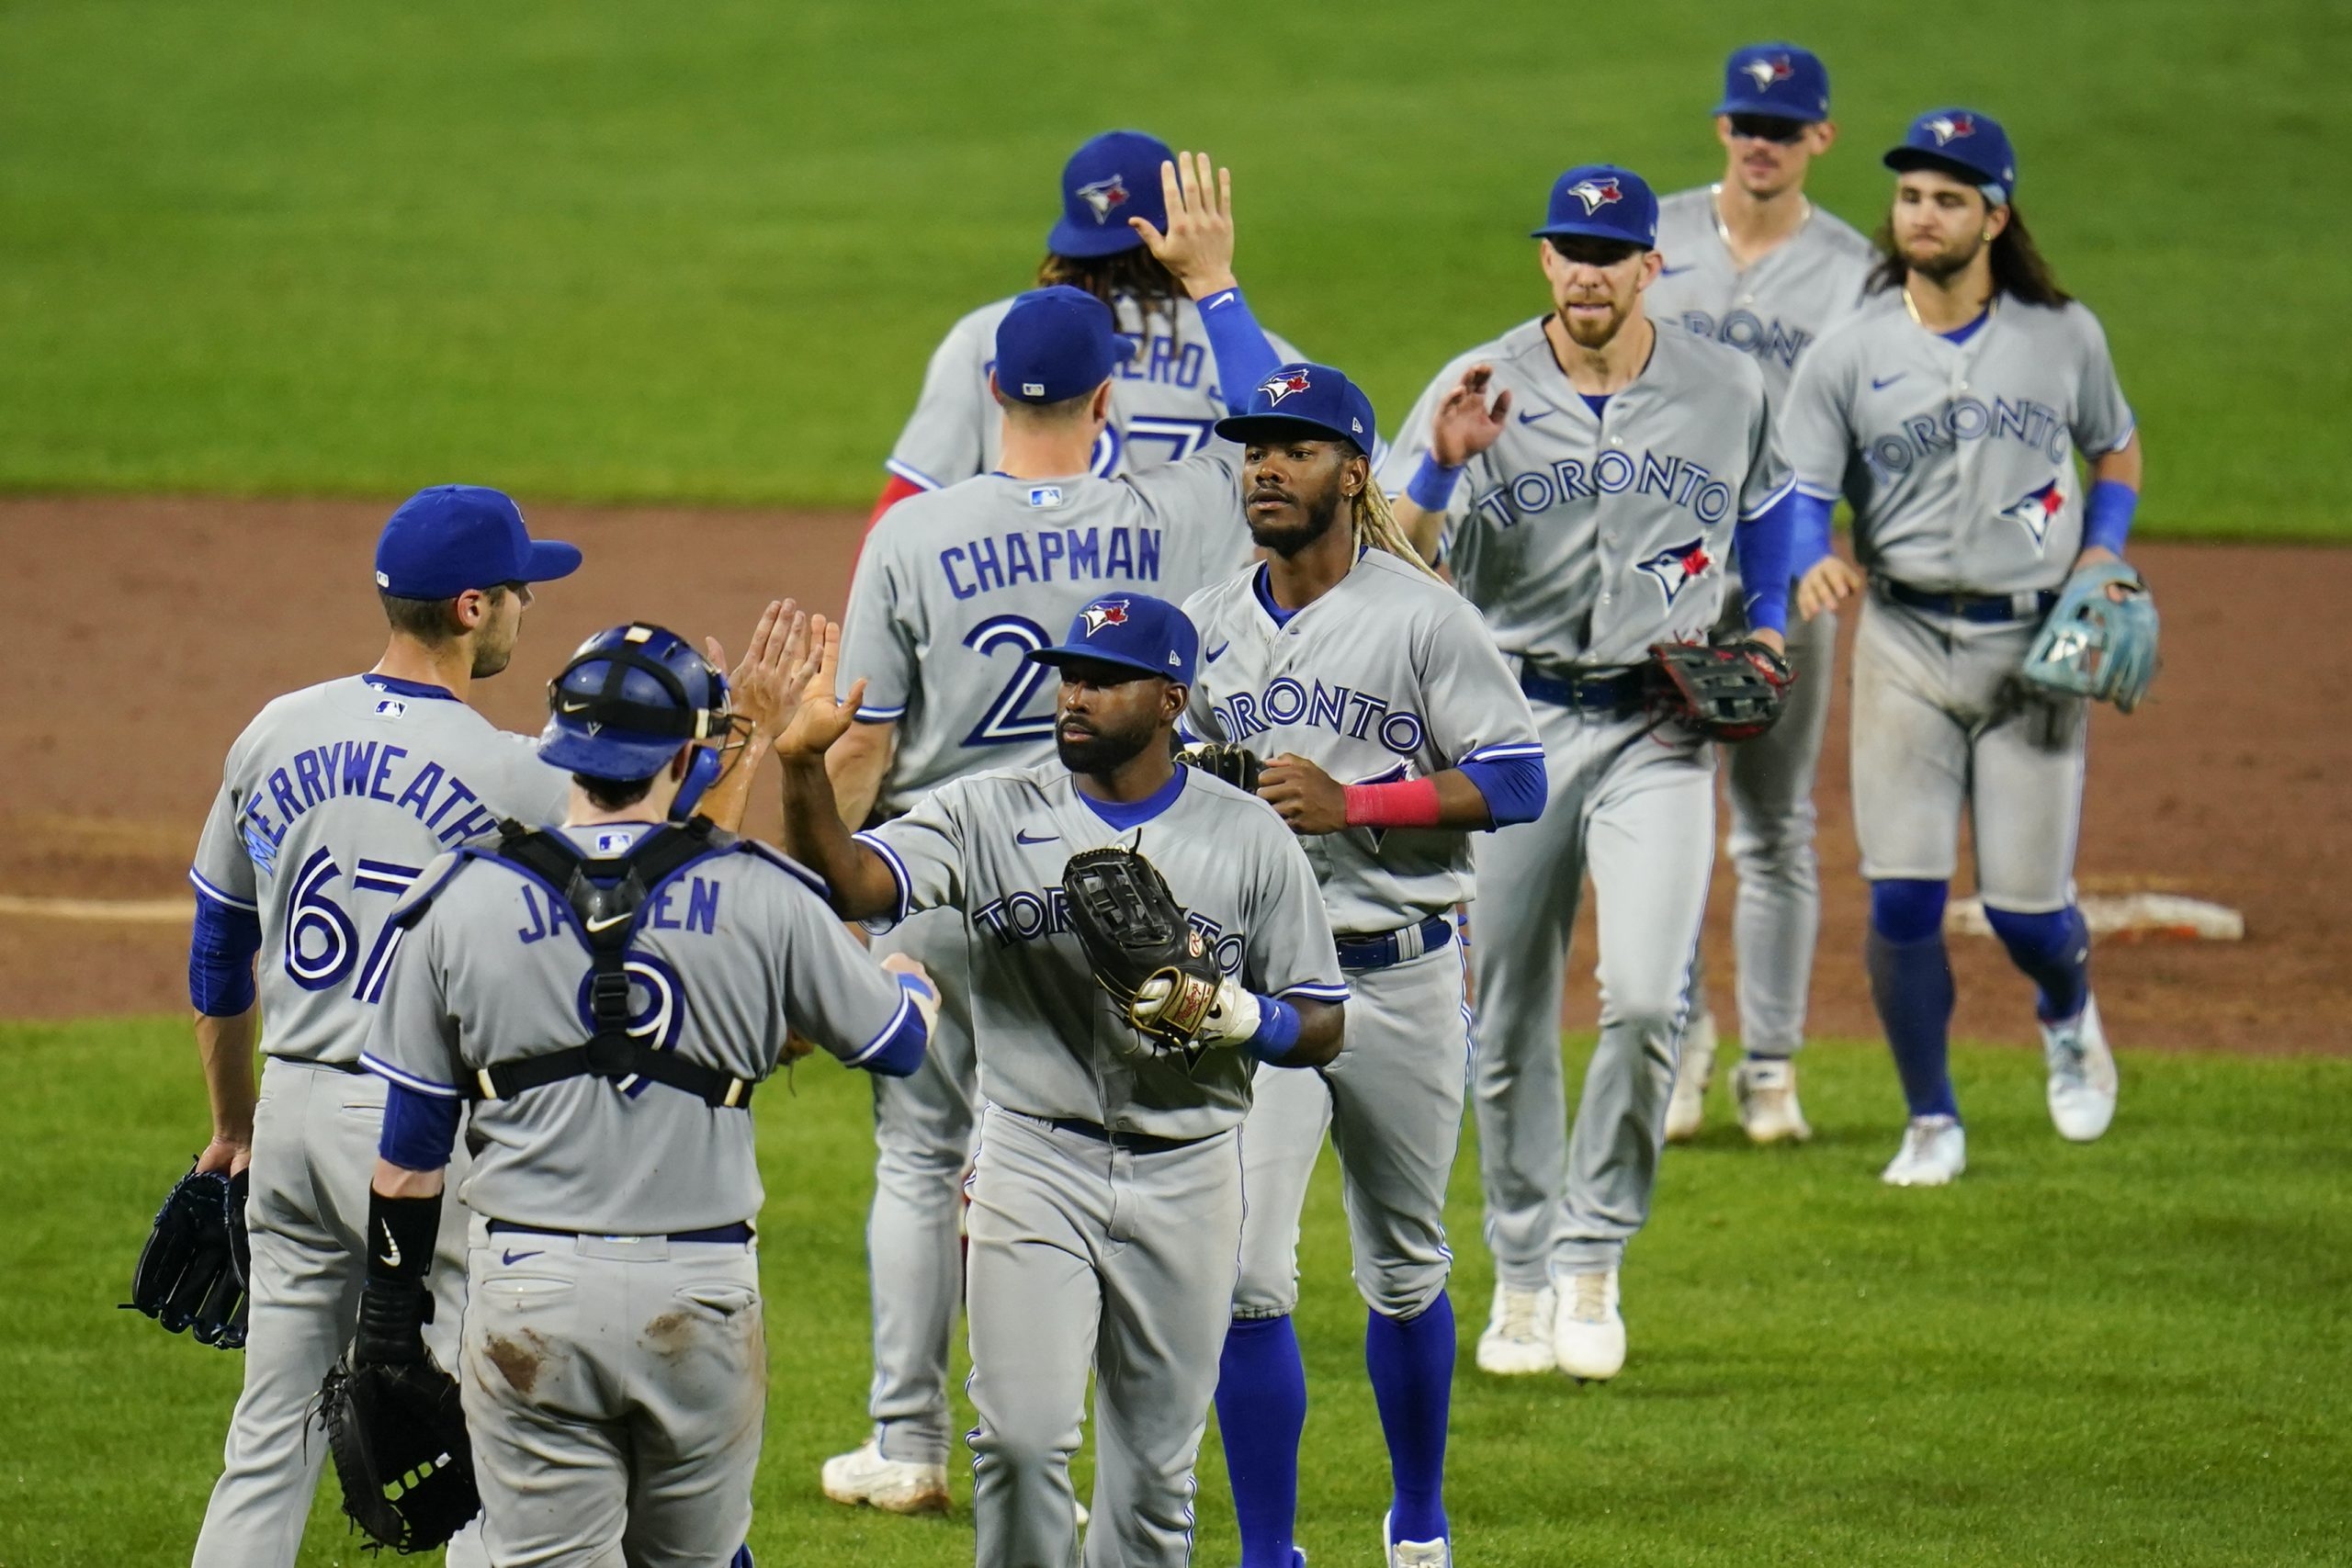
<point>391,1249</point>
<point>511,1258</point>
<point>608,922</point>
<point>1217,652</point>
<point>1670,271</point>
<point>1023,838</point>
<point>1529,416</point>
<point>1879,386</point>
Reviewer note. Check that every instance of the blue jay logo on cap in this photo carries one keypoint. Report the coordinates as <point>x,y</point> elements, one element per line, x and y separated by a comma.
<point>1595,194</point>
<point>1109,613</point>
<point>1950,128</point>
<point>1283,383</point>
<point>1102,195</point>
<point>2035,510</point>
<point>1764,72</point>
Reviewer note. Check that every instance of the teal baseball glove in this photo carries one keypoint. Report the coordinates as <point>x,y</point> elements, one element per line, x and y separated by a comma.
<point>2092,646</point>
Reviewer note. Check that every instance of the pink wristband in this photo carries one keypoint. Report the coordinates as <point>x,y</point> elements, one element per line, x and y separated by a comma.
<point>1408,803</point>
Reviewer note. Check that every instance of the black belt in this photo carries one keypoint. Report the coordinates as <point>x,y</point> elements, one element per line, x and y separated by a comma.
<point>349,1069</point>
<point>736,1234</point>
<point>1134,1143</point>
<point>1987,609</point>
<point>1619,691</point>
<point>1395,947</point>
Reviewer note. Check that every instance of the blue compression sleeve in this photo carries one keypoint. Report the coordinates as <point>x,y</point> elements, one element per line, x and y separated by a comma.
<point>1278,1026</point>
<point>1431,486</point>
<point>221,957</point>
<point>1762,544</point>
<point>1515,787</point>
<point>1244,357</point>
<point>901,1052</point>
<point>419,1129</point>
<point>2107,514</point>
<point>1808,532</point>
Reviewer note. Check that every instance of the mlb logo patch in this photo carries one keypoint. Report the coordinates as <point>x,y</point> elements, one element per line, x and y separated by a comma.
<point>390,707</point>
<point>611,845</point>
<point>1045,495</point>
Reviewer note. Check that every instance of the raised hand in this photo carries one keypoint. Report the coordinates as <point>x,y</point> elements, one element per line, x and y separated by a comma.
<point>1197,250</point>
<point>1463,425</point>
<point>811,724</point>
<point>775,667</point>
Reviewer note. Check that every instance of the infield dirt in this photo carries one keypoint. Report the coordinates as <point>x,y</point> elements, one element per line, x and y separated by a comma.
<point>148,631</point>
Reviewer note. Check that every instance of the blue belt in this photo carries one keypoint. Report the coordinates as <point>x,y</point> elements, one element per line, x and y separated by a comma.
<point>737,1233</point>
<point>1986,609</point>
<point>1395,947</point>
<point>1619,691</point>
<point>1134,1143</point>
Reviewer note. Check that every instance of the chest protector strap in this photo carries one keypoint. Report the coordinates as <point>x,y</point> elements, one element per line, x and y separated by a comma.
<point>607,896</point>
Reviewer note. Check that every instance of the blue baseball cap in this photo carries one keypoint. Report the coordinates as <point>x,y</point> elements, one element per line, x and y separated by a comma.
<point>1114,177</point>
<point>1057,342</point>
<point>1964,144</point>
<point>1605,202</point>
<point>451,537</point>
<point>1146,634</point>
<point>1304,400</point>
<point>1778,79</point>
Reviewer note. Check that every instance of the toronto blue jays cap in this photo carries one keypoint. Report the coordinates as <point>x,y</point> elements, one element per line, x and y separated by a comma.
<point>1605,202</point>
<point>1114,177</point>
<point>1314,401</point>
<point>1778,79</point>
<point>1962,144</point>
<point>1057,343</point>
<point>1146,634</point>
<point>451,537</point>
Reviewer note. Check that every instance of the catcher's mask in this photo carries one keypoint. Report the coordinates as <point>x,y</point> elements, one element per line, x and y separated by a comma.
<point>628,700</point>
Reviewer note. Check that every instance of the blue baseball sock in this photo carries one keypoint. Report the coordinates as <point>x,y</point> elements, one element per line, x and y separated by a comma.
<point>1262,1412</point>
<point>2053,949</point>
<point>1411,1363</point>
<point>1911,984</point>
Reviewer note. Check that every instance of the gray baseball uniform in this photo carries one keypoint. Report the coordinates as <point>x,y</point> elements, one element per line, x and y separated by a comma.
<point>615,1365</point>
<point>1584,536</point>
<point>952,591</point>
<point>1106,1198</point>
<point>1388,675</point>
<point>332,802</point>
<point>1771,311</point>
<point>1971,488</point>
<point>1164,401</point>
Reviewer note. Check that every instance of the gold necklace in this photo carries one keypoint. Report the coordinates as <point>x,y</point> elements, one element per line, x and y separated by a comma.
<point>1990,306</point>
<point>1723,230</point>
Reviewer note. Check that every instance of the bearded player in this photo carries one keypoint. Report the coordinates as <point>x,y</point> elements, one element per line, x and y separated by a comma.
<point>1390,731</point>
<point>1587,474</point>
<point>1970,388</point>
<point>1753,264</point>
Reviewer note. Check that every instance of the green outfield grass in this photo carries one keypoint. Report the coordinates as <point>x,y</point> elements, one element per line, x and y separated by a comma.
<point>610,251</point>
<point>2130,1353</point>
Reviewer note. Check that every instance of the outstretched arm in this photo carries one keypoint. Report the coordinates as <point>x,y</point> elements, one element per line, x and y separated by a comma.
<point>780,623</point>
<point>1197,251</point>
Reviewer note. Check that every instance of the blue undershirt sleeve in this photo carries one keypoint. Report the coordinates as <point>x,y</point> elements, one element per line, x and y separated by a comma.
<point>1515,787</point>
<point>901,1053</point>
<point>419,1129</point>
<point>2107,514</point>
<point>1763,546</point>
<point>1244,357</point>
<point>221,957</point>
<point>1808,532</point>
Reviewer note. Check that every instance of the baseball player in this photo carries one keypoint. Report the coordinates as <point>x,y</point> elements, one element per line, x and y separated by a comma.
<point>1165,395</point>
<point>1611,465</point>
<point>607,994</point>
<point>1389,728</point>
<point>1752,264</point>
<point>953,590</point>
<point>1968,388</point>
<point>332,802</point>
<point>1106,1197</point>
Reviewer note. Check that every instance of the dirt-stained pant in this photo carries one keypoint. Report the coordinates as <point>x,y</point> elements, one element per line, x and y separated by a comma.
<point>1086,1256</point>
<point>1393,1102</point>
<point>1635,811</point>
<point>316,1132</point>
<point>615,1388</point>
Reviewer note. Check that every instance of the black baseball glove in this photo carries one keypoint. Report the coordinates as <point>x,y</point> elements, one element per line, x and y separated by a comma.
<point>1725,691</point>
<point>192,1273</point>
<point>1143,951</point>
<point>399,1447</point>
<point>1237,765</point>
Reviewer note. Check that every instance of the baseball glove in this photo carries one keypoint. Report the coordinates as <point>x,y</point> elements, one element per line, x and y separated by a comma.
<point>2092,646</point>
<point>192,1272</point>
<point>1143,951</point>
<point>1725,691</point>
<point>1237,765</point>
<point>399,1447</point>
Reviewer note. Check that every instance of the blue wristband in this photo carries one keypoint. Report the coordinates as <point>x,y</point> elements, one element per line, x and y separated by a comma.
<point>1431,486</point>
<point>2107,515</point>
<point>1277,1030</point>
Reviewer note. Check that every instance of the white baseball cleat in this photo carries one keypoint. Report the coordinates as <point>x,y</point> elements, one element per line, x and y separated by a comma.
<point>1587,1334</point>
<point>1518,1340</point>
<point>1934,1149</point>
<point>1412,1553</point>
<point>1693,1071</point>
<point>1765,1090</point>
<point>2082,1074</point>
<point>864,1476</point>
